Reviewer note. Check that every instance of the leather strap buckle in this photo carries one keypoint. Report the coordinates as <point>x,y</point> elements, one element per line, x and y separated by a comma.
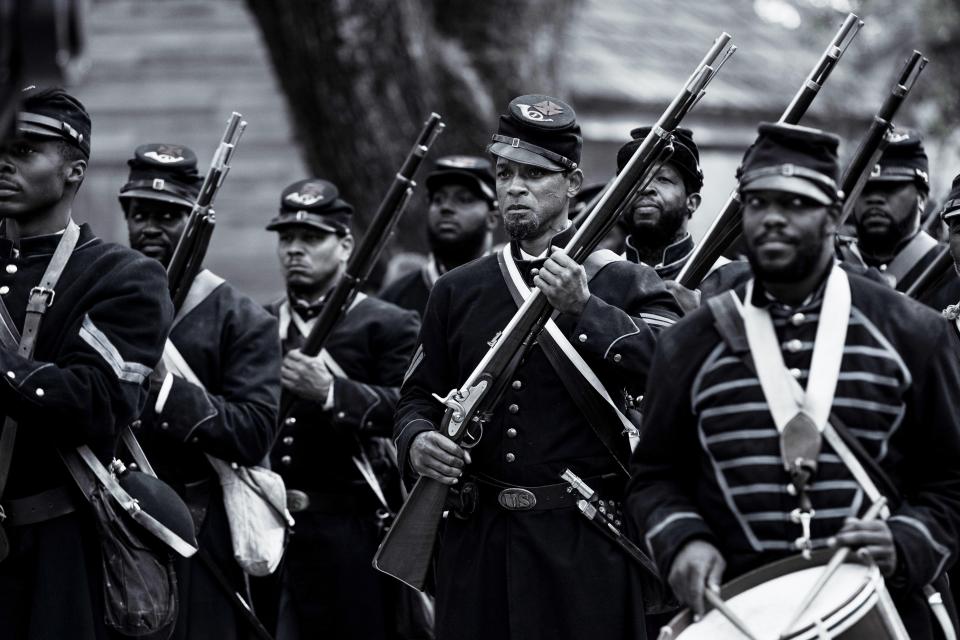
<point>45,292</point>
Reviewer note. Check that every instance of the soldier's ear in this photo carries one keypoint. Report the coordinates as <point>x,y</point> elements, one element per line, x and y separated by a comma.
<point>574,182</point>
<point>693,203</point>
<point>75,171</point>
<point>346,247</point>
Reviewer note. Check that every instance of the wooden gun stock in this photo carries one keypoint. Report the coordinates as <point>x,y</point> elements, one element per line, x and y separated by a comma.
<point>413,534</point>
<point>468,405</point>
<point>725,229</point>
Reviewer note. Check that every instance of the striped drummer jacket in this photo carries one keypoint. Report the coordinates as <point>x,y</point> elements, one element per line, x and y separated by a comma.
<point>708,463</point>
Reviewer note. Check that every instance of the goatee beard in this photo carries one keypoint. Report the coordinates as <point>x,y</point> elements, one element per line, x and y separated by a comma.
<point>519,228</point>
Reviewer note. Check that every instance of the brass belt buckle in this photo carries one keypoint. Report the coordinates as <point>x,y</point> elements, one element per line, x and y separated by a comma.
<point>517,499</point>
<point>297,500</point>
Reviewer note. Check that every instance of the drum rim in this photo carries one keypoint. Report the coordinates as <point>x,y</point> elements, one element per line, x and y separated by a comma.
<point>866,593</point>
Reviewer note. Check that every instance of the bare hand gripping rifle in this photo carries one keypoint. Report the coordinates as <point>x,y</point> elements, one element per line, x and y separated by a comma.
<point>187,259</point>
<point>406,551</point>
<point>365,256</point>
<point>725,229</point>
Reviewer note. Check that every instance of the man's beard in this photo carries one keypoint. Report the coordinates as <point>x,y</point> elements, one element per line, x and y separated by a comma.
<point>656,236</point>
<point>803,264</point>
<point>885,243</point>
<point>520,227</point>
<point>457,251</point>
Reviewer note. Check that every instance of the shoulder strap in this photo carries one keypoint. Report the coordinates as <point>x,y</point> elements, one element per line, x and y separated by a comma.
<point>598,260</point>
<point>904,262</point>
<point>205,283</point>
<point>41,297</point>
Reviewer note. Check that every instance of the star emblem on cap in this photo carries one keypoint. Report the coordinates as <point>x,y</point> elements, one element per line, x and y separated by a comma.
<point>548,108</point>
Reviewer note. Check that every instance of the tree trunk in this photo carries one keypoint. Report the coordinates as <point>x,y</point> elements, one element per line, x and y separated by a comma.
<point>361,76</point>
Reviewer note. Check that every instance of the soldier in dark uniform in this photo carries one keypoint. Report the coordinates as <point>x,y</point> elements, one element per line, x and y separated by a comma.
<point>333,447</point>
<point>95,349</point>
<point>532,568</point>
<point>231,345</point>
<point>950,215</point>
<point>657,219</point>
<point>709,488</point>
<point>887,217</point>
<point>461,217</point>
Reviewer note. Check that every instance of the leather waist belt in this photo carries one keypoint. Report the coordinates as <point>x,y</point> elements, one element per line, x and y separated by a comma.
<point>541,498</point>
<point>40,507</point>
<point>298,500</point>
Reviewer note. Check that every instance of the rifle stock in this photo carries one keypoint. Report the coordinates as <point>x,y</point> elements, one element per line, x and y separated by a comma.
<point>406,550</point>
<point>725,228</point>
<point>418,520</point>
<point>187,258</point>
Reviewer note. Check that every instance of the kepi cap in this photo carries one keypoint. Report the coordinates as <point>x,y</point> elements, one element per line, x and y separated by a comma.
<point>903,160</point>
<point>686,155</point>
<point>162,171</point>
<point>541,131</point>
<point>313,203</point>
<point>795,159</point>
<point>473,171</point>
<point>54,114</point>
<point>951,208</point>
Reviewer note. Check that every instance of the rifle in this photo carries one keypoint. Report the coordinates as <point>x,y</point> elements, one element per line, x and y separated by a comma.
<point>878,135</point>
<point>368,250</point>
<point>188,256</point>
<point>725,229</point>
<point>408,546</point>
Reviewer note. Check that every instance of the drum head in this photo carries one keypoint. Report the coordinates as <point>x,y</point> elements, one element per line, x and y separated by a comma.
<point>767,598</point>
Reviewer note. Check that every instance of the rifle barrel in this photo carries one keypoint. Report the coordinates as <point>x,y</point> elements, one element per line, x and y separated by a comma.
<point>725,228</point>
<point>876,138</point>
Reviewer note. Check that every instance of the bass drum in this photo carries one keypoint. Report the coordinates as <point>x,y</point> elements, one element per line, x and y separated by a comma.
<point>853,605</point>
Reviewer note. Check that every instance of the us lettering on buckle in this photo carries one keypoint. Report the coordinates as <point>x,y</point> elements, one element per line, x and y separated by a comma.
<point>516,499</point>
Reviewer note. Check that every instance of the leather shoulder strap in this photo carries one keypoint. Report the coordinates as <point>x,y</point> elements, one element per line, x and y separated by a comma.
<point>41,297</point>
<point>587,392</point>
<point>598,260</point>
<point>729,323</point>
<point>204,284</point>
